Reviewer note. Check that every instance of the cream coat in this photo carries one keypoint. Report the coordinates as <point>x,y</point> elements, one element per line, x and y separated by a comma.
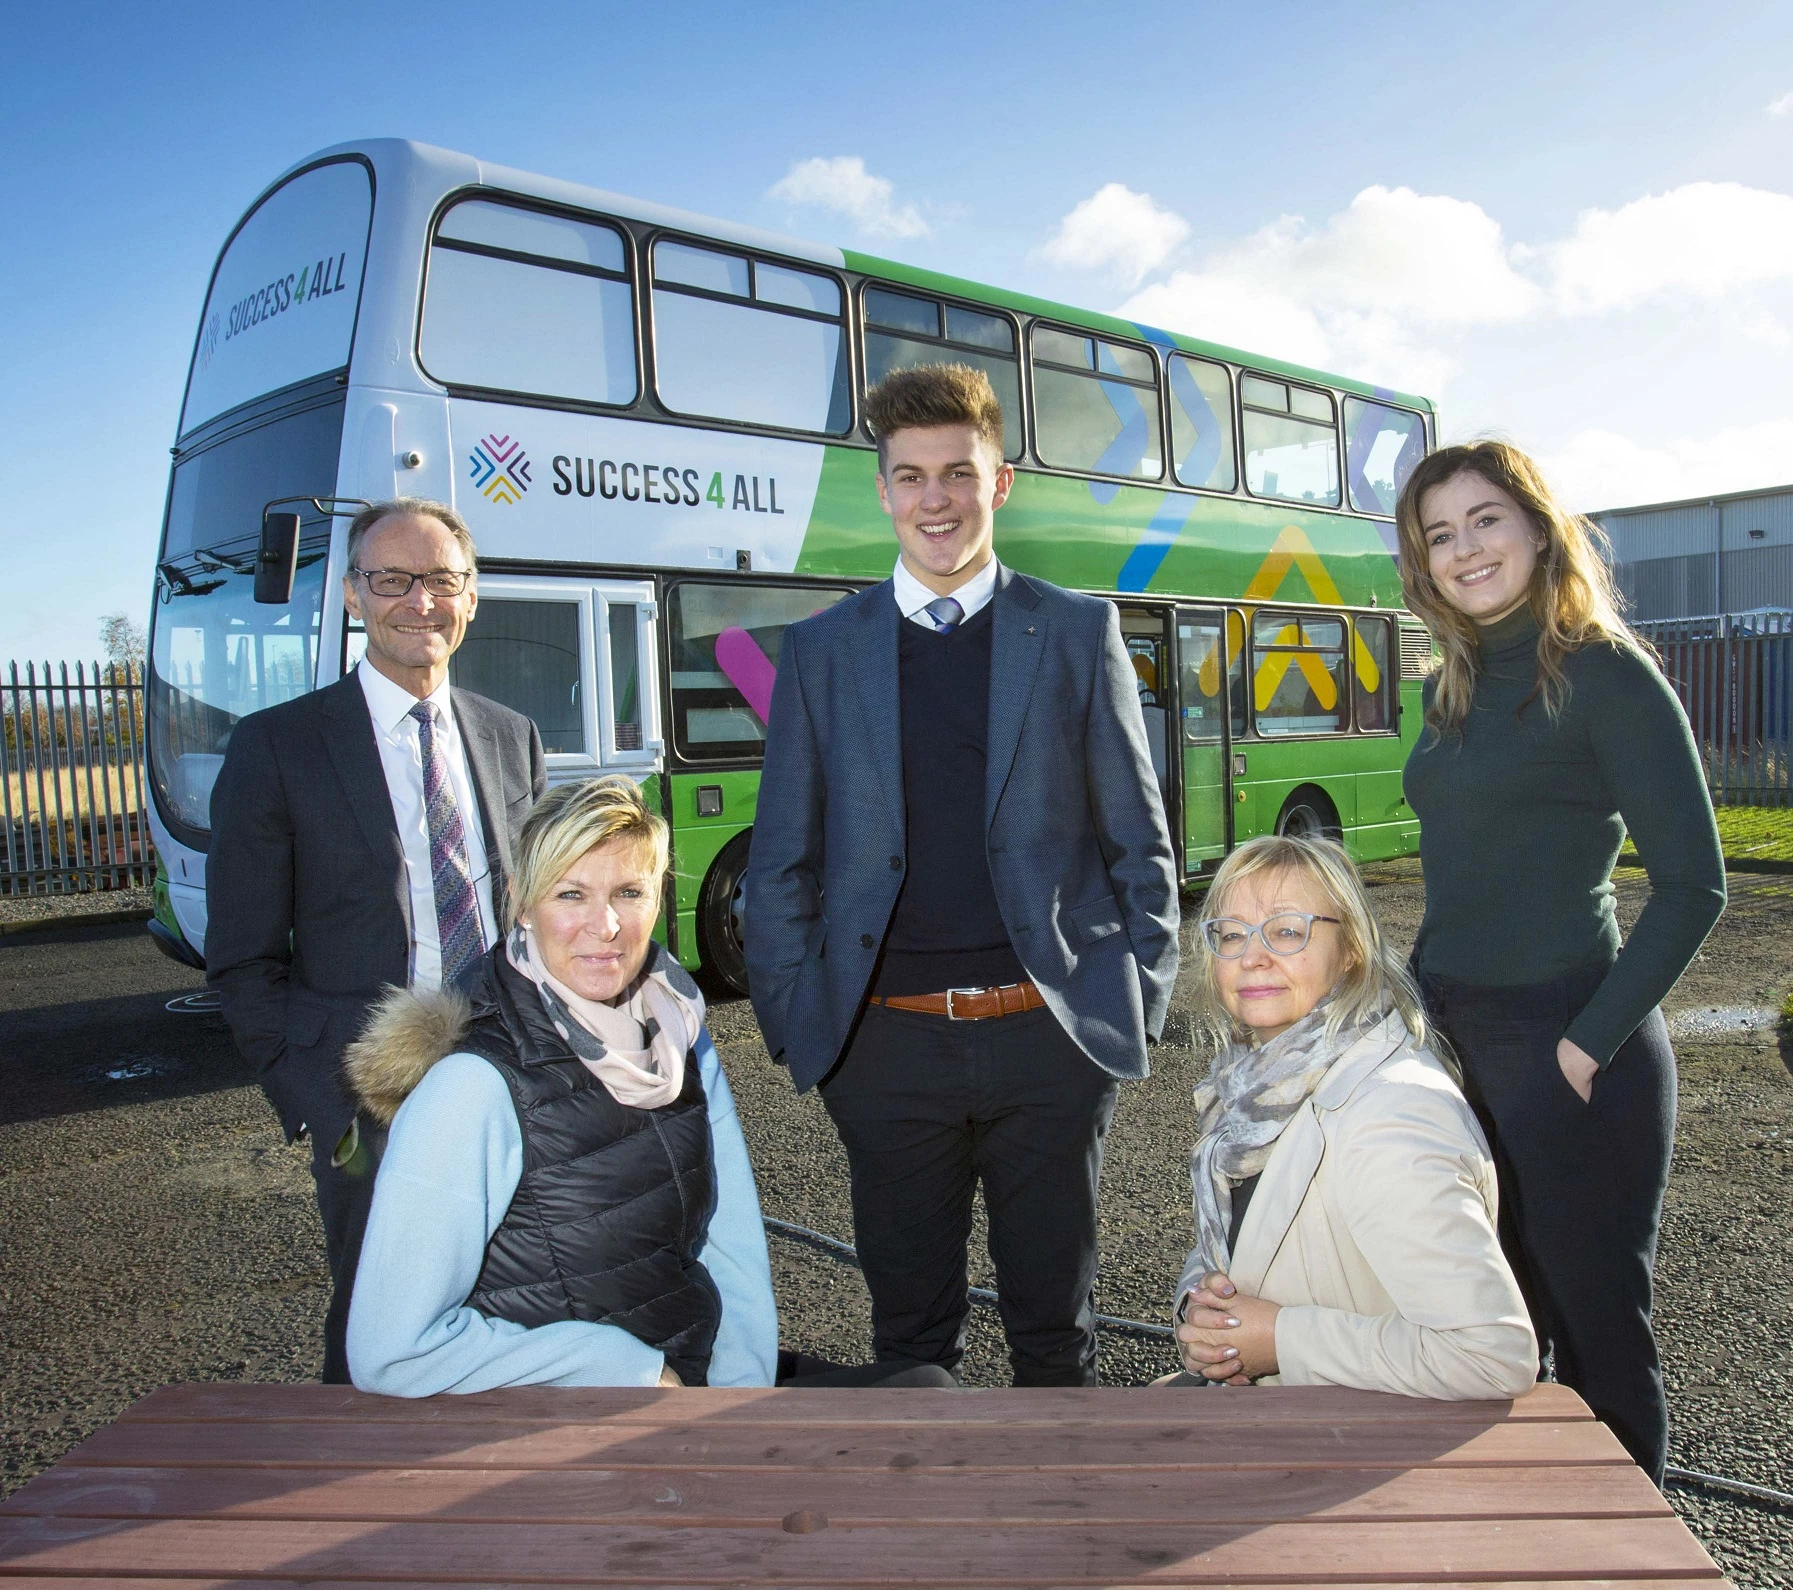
<point>1374,1227</point>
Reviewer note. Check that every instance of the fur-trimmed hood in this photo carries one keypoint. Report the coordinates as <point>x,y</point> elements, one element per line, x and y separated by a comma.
<point>406,1034</point>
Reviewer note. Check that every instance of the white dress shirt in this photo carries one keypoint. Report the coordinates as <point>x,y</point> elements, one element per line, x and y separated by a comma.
<point>401,757</point>
<point>912,596</point>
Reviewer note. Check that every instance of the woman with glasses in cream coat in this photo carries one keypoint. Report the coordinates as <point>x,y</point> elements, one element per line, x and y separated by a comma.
<point>1345,1200</point>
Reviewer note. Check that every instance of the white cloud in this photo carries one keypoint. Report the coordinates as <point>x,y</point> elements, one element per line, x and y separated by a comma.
<point>1600,469</point>
<point>1117,230</point>
<point>1382,288</point>
<point>842,184</point>
<point>1705,238</point>
<point>1781,108</point>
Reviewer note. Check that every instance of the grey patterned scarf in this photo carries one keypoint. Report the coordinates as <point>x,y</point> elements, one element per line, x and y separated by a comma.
<point>1241,1110</point>
<point>636,1047</point>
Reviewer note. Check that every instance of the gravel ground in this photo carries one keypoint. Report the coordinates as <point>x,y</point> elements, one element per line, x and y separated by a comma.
<point>154,1228</point>
<point>38,908</point>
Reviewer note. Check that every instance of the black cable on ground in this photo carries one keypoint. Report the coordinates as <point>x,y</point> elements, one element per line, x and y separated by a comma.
<point>845,1252</point>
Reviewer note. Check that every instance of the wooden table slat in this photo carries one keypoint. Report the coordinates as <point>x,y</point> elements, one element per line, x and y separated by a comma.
<point>1279,1488</point>
<point>697,1497</point>
<point>78,1582</point>
<point>1049,1405</point>
<point>1149,1554</point>
<point>699,1444</point>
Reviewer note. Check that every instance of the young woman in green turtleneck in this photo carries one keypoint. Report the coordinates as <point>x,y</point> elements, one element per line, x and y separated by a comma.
<point>1550,733</point>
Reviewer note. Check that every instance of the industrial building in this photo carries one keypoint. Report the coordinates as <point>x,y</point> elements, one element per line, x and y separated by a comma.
<point>1705,556</point>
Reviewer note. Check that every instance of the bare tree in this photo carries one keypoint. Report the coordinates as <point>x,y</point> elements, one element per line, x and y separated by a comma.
<point>123,638</point>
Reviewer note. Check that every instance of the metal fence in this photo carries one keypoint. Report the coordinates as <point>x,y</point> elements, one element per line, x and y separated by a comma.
<point>1734,674</point>
<point>72,795</point>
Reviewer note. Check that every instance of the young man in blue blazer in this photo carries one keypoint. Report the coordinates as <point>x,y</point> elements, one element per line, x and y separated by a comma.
<point>962,902</point>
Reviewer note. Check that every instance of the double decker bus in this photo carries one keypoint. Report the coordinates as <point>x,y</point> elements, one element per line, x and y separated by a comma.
<point>654,425</point>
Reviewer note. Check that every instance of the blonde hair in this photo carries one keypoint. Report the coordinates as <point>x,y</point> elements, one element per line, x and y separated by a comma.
<point>570,821</point>
<point>1374,974</point>
<point>1572,595</point>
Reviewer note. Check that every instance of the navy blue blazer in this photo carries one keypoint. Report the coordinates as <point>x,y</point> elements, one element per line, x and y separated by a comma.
<point>1079,851</point>
<point>308,903</point>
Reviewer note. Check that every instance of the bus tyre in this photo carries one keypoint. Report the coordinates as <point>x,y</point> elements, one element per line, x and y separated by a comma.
<point>719,915</point>
<point>1308,814</point>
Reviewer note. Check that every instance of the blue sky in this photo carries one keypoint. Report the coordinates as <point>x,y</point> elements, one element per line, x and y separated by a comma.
<point>1571,224</point>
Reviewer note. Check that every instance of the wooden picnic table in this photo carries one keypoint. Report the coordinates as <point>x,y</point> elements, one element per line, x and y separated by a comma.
<point>1279,1487</point>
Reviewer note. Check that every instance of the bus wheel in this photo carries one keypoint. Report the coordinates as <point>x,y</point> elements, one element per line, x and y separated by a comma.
<point>719,915</point>
<point>1308,814</point>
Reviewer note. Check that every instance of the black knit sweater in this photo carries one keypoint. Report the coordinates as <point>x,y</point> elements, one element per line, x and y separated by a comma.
<point>1522,817</point>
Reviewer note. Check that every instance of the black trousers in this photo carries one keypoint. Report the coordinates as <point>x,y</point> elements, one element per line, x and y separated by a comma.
<point>1581,1186</point>
<point>345,1193</point>
<point>926,1108</point>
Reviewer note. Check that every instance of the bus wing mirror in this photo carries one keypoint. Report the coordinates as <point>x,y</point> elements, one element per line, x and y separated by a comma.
<point>277,559</point>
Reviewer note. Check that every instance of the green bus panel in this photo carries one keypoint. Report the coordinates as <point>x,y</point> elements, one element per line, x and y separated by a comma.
<point>698,841</point>
<point>1085,534</point>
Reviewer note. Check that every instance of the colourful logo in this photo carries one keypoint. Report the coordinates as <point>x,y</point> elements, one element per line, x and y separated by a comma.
<point>208,341</point>
<point>500,469</point>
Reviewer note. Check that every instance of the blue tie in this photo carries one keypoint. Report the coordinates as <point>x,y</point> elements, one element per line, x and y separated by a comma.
<point>946,614</point>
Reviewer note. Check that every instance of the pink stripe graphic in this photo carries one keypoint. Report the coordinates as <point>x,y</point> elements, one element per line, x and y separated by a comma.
<point>748,669</point>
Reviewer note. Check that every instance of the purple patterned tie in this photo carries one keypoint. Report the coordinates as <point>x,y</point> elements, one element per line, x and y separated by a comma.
<point>457,907</point>
<point>946,613</point>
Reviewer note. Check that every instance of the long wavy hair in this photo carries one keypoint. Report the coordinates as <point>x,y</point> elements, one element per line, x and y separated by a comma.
<point>1572,595</point>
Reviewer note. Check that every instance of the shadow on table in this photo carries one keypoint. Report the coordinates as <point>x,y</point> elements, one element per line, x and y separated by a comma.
<point>823,1487</point>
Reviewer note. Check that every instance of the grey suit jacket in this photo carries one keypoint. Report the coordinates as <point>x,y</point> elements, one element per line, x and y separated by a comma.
<point>308,903</point>
<point>1079,852</point>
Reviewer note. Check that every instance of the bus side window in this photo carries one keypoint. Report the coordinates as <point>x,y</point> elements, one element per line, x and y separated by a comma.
<point>1381,447</point>
<point>1096,405</point>
<point>739,338</point>
<point>725,641</point>
<point>1298,673</point>
<point>902,331</point>
<point>524,301</point>
<point>1201,423</point>
<point>1291,441</point>
<point>1370,682</point>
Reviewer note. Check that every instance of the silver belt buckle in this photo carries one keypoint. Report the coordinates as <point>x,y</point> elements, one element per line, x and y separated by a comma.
<point>951,1014</point>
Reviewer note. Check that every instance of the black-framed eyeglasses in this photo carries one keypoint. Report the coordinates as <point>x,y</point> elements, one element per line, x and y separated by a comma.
<point>1286,933</point>
<point>398,582</point>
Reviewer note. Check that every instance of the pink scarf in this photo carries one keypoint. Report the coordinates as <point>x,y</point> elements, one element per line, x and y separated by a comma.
<point>636,1047</point>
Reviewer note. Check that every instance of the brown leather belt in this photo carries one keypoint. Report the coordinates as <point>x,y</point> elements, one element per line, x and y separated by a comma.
<point>968,1004</point>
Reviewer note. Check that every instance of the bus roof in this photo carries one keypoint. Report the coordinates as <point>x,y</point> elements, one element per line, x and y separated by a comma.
<point>446,170</point>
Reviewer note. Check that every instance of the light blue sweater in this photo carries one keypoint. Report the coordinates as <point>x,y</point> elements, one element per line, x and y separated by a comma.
<point>451,1168</point>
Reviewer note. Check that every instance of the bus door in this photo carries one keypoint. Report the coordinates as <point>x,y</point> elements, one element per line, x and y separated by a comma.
<point>1209,675</point>
<point>577,656</point>
<point>1144,632</point>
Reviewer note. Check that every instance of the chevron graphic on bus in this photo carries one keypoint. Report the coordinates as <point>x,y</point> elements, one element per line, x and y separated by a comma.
<point>500,469</point>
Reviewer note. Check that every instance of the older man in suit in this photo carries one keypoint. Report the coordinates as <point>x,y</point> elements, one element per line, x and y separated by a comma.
<point>962,906</point>
<point>361,837</point>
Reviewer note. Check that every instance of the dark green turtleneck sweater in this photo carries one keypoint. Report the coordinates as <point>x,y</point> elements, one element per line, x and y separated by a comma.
<point>1521,820</point>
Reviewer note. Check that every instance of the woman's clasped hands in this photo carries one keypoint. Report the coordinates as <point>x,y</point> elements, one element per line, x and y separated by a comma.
<point>1226,1335</point>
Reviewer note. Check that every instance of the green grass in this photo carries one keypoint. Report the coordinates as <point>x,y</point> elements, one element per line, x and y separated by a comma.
<point>1752,833</point>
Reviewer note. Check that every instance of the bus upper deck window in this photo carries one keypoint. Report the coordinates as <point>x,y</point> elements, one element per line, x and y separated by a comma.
<point>1291,441</point>
<point>1382,445</point>
<point>1096,405</point>
<point>739,338</point>
<point>903,330</point>
<point>1201,423</point>
<point>567,329</point>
